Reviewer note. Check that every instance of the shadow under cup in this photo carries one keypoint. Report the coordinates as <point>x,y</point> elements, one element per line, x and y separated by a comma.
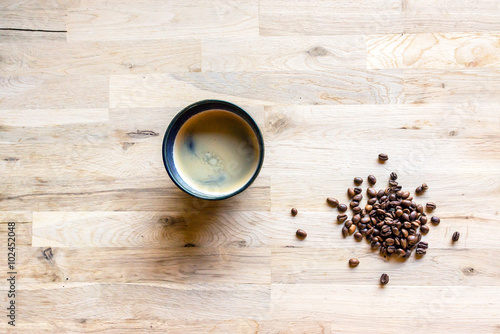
<point>175,130</point>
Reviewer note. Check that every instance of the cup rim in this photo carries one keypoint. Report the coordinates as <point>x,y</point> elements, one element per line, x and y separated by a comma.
<point>233,109</point>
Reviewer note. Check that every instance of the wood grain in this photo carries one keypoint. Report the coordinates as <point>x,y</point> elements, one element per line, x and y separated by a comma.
<point>472,50</point>
<point>304,87</point>
<point>184,265</point>
<point>283,53</point>
<point>35,58</point>
<point>121,21</point>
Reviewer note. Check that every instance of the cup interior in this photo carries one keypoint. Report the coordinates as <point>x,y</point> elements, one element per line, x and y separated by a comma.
<point>173,130</point>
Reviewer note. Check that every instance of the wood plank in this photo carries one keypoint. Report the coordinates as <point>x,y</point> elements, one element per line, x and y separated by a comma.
<point>427,303</point>
<point>84,58</point>
<point>446,16</point>
<point>146,265</point>
<point>37,19</point>
<point>217,228</point>
<point>283,53</point>
<point>280,17</point>
<point>367,324</point>
<point>344,86</point>
<point>22,230</point>
<point>37,4</point>
<point>433,50</point>
<point>457,267</point>
<point>451,86</point>
<point>159,20</point>
<point>44,91</point>
<point>142,301</point>
<point>34,118</point>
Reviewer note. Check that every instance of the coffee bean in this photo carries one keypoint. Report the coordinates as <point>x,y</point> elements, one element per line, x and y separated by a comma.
<point>358,236</point>
<point>332,201</point>
<point>368,208</point>
<point>393,183</point>
<point>294,211</point>
<point>365,220</point>
<point>412,216</point>
<point>405,233</point>
<point>391,249</point>
<point>353,204</point>
<point>419,190</point>
<point>380,193</point>
<point>405,203</point>
<point>345,231</point>
<point>430,206</point>
<point>348,223</point>
<point>405,217</point>
<point>353,262</point>
<point>455,236</point>
<point>301,234</point>
<point>356,218</point>
<point>384,279</point>
<point>371,192</point>
<point>352,229</point>
<point>424,186</point>
<point>421,251</point>
<point>412,239</point>
<point>375,244</point>
<point>399,213</point>
<point>389,241</point>
<point>423,220</point>
<point>400,252</point>
<point>372,201</point>
<point>394,176</point>
<point>350,192</point>
<point>423,245</point>
<point>342,208</point>
<point>406,194</point>
<point>420,208</point>
<point>372,179</point>
<point>435,220</point>
<point>383,157</point>
<point>357,198</point>
<point>424,229</point>
<point>415,224</point>
<point>358,190</point>
<point>358,180</point>
<point>342,218</point>
<point>404,243</point>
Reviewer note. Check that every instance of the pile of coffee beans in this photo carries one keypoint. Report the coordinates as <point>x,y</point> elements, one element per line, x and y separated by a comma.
<point>391,220</point>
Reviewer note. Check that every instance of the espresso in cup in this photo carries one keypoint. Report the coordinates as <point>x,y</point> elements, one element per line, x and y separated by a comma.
<point>216,152</point>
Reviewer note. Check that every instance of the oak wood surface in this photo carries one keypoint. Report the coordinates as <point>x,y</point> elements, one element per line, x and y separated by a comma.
<point>106,243</point>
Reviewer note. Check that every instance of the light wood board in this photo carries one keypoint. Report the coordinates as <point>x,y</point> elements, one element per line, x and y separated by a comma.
<point>107,244</point>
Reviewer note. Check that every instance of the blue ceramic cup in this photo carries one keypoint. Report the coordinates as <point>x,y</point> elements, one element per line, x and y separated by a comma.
<point>173,130</point>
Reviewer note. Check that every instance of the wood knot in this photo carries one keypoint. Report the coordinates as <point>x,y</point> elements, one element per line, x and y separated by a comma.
<point>277,123</point>
<point>469,271</point>
<point>126,145</point>
<point>318,51</point>
<point>47,254</point>
<point>189,245</point>
<point>453,133</point>
<point>142,134</point>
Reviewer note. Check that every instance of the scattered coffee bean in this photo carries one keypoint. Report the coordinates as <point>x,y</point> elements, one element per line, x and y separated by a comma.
<point>342,207</point>
<point>424,186</point>
<point>353,262</point>
<point>358,236</point>
<point>357,198</point>
<point>384,279</point>
<point>352,229</point>
<point>419,190</point>
<point>294,211</point>
<point>358,180</point>
<point>332,201</point>
<point>358,190</point>
<point>353,204</point>
<point>421,251</point>
<point>424,229</point>
<point>430,206</point>
<point>372,201</point>
<point>301,233</point>
<point>370,192</point>
<point>350,192</point>
<point>394,176</point>
<point>435,220</point>
<point>342,218</point>
<point>345,231</point>
<point>455,236</point>
<point>401,252</point>
<point>383,157</point>
<point>372,179</point>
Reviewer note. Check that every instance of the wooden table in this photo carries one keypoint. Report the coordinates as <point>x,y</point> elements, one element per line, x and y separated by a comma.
<point>107,244</point>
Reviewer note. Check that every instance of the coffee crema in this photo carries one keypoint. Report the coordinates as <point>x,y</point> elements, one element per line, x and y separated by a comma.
<point>216,152</point>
